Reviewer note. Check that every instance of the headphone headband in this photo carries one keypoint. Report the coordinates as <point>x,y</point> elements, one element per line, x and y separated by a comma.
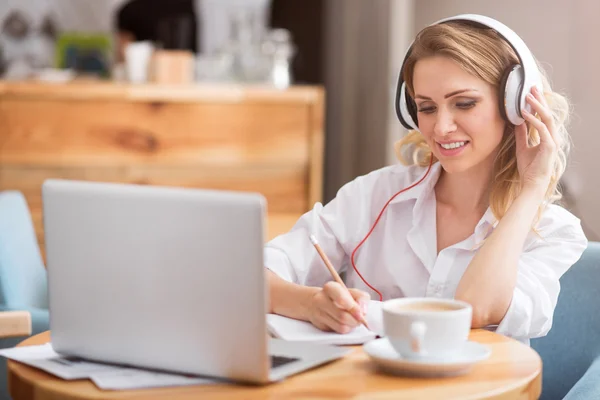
<point>519,82</point>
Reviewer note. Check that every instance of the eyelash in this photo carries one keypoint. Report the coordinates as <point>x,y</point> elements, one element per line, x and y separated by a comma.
<point>462,106</point>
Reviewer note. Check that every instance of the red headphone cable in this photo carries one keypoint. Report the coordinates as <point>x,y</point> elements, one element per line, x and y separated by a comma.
<point>375,224</point>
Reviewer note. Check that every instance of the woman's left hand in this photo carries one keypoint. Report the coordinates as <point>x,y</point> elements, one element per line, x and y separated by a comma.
<point>536,163</point>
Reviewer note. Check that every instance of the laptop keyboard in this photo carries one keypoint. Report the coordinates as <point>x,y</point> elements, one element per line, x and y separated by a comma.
<point>278,361</point>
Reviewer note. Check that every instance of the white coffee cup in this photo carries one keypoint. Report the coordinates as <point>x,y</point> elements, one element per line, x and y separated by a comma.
<point>426,328</point>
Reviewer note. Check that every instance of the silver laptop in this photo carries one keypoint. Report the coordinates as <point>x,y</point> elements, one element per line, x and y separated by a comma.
<point>164,278</point>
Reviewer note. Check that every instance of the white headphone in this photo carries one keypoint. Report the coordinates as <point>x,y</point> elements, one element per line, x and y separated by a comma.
<point>517,83</point>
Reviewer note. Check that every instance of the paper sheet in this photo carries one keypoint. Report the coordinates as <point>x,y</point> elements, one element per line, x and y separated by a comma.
<point>46,359</point>
<point>105,376</point>
<point>140,379</point>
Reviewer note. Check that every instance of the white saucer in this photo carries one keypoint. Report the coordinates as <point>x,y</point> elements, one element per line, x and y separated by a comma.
<point>388,360</point>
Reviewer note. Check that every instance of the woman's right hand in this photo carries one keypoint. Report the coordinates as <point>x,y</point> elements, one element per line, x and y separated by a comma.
<point>329,308</point>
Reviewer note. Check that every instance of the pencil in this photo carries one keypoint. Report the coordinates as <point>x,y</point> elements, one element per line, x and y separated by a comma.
<point>335,275</point>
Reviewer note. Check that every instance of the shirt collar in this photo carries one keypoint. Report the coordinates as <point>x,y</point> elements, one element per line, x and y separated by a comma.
<point>485,226</point>
<point>423,189</point>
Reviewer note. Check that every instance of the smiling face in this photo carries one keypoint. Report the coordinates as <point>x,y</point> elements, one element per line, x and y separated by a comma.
<point>458,114</point>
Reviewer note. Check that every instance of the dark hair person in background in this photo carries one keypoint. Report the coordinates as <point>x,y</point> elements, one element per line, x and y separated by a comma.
<point>170,23</point>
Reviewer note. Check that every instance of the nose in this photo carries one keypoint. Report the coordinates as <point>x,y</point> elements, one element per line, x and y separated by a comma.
<point>444,123</point>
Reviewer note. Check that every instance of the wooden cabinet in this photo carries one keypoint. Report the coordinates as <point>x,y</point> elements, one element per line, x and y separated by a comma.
<point>223,137</point>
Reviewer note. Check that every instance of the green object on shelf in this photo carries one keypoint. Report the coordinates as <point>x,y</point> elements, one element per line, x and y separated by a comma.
<point>87,53</point>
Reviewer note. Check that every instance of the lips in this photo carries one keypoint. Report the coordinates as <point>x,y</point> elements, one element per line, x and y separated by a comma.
<point>454,148</point>
<point>453,145</point>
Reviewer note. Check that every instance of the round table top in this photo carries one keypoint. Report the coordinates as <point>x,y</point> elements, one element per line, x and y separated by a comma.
<point>512,371</point>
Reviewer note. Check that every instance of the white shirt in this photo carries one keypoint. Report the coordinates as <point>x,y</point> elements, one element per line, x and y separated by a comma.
<point>400,257</point>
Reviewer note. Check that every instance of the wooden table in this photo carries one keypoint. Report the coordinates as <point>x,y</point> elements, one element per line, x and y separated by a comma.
<point>512,372</point>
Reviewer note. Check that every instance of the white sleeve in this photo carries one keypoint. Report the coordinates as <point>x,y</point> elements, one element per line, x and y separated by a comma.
<point>560,244</point>
<point>293,257</point>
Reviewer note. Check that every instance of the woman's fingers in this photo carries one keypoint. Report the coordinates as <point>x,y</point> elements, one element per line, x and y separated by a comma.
<point>545,136</point>
<point>321,314</point>
<point>521,137</point>
<point>539,104</point>
<point>542,111</point>
<point>346,306</point>
<point>539,95</point>
<point>341,298</point>
<point>329,323</point>
<point>361,297</point>
<point>345,320</point>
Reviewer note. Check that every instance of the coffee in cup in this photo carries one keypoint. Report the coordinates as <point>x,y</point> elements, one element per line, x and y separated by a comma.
<point>426,328</point>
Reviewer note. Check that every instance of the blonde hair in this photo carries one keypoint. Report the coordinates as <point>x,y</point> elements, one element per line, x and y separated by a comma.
<point>485,54</point>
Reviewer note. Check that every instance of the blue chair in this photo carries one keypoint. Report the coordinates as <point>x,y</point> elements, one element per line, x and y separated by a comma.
<point>573,343</point>
<point>23,283</point>
<point>588,387</point>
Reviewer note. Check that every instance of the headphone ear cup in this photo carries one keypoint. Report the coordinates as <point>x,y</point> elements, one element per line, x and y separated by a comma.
<point>511,88</point>
<point>411,106</point>
<point>407,109</point>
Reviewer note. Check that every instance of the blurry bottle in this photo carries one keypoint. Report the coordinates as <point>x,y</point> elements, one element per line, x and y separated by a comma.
<point>215,20</point>
<point>279,48</point>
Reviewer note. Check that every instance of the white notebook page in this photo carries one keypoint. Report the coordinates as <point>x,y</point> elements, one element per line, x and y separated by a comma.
<point>302,331</point>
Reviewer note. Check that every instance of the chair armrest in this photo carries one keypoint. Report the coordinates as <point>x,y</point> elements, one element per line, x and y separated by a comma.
<point>15,323</point>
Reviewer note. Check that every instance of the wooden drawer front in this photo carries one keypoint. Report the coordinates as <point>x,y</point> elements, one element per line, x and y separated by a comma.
<point>284,188</point>
<point>94,133</point>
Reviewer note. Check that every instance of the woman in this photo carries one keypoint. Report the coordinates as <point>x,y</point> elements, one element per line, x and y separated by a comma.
<point>478,220</point>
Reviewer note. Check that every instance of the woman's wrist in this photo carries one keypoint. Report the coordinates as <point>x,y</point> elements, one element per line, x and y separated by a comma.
<point>290,299</point>
<point>525,207</point>
<point>533,193</point>
<point>306,297</point>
